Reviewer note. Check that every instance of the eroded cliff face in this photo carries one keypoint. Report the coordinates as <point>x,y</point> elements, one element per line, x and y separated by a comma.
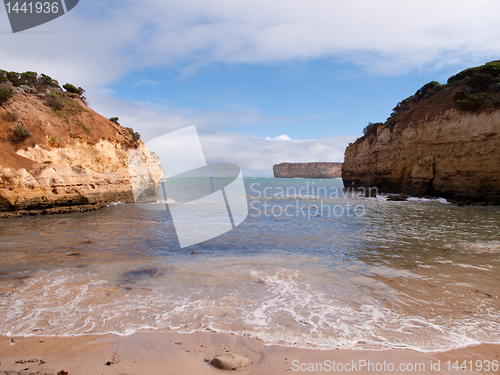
<point>455,154</point>
<point>443,141</point>
<point>308,170</point>
<point>72,160</point>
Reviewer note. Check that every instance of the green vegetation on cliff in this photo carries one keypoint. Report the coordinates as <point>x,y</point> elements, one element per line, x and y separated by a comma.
<point>472,90</point>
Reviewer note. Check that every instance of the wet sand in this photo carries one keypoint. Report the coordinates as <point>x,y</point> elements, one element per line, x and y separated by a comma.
<point>183,354</point>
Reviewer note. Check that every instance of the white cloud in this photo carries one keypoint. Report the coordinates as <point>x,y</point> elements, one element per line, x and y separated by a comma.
<point>146,82</point>
<point>98,42</point>
<point>153,120</point>
<point>283,137</point>
<point>254,155</point>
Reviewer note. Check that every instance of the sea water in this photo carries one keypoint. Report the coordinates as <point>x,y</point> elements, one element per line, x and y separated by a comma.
<point>313,265</point>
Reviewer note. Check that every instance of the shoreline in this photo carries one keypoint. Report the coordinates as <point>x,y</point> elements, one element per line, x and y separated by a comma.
<point>190,353</point>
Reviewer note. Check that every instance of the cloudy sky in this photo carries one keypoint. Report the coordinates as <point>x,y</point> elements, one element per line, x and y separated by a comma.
<point>263,81</point>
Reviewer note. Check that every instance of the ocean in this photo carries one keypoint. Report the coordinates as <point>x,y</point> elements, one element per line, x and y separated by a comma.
<point>312,266</point>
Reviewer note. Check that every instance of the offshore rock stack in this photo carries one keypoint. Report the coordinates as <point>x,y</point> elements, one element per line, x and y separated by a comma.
<point>308,170</point>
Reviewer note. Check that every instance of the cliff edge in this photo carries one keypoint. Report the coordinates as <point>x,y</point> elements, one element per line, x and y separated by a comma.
<point>58,155</point>
<point>307,170</point>
<point>443,141</point>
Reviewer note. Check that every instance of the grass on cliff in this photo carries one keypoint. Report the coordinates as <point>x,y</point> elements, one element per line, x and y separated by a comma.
<point>66,102</point>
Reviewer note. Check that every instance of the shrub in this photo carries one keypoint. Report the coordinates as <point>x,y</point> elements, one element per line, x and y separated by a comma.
<point>29,77</point>
<point>135,136</point>
<point>55,103</point>
<point>81,125</point>
<point>5,95</point>
<point>73,89</point>
<point>48,81</point>
<point>14,77</point>
<point>480,81</point>
<point>460,95</point>
<point>20,131</point>
<point>10,116</point>
<point>468,102</point>
<point>115,120</point>
<point>428,90</point>
<point>371,128</point>
<point>492,68</point>
<point>391,121</point>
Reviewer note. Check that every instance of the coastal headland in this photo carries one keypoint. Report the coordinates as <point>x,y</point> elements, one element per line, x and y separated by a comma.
<point>56,154</point>
<point>442,141</point>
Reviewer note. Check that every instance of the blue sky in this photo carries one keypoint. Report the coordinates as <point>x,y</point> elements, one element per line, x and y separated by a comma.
<point>306,99</point>
<point>264,82</point>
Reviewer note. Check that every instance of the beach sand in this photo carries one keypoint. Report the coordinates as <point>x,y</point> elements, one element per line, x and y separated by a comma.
<point>175,353</point>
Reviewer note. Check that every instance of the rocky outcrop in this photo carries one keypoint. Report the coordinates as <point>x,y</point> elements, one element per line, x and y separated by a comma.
<point>308,170</point>
<point>434,145</point>
<point>230,361</point>
<point>65,158</point>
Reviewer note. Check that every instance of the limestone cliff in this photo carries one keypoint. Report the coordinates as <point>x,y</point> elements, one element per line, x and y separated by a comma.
<point>442,141</point>
<point>307,170</point>
<point>58,155</point>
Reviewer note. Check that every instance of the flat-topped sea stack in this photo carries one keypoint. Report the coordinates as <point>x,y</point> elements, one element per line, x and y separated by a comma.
<point>308,170</point>
<point>443,141</point>
<point>58,155</point>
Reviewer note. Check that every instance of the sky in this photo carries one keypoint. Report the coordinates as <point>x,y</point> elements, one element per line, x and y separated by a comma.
<point>263,81</point>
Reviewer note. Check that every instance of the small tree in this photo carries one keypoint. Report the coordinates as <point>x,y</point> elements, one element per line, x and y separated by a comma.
<point>5,95</point>
<point>29,77</point>
<point>73,89</point>
<point>14,77</point>
<point>48,81</point>
<point>115,120</point>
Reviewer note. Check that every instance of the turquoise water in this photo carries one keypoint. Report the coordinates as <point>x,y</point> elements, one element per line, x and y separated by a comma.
<point>312,266</point>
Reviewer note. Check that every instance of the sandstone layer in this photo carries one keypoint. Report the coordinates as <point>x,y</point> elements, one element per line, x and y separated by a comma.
<point>308,170</point>
<point>68,159</point>
<point>435,144</point>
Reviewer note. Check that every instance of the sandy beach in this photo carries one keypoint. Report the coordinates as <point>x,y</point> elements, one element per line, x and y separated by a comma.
<point>174,353</point>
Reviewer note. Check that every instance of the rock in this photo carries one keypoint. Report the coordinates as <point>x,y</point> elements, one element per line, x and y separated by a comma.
<point>17,90</point>
<point>308,170</point>
<point>397,198</point>
<point>433,147</point>
<point>43,94</point>
<point>455,156</point>
<point>230,361</point>
<point>72,163</point>
<point>371,193</point>
<point>28,89</point>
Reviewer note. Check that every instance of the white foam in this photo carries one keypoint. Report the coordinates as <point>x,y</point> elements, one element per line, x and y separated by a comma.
<point>278,306</point>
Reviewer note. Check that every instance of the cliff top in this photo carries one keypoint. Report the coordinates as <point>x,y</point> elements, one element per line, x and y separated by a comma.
<point>472,90</point>
<point>35,110</point>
